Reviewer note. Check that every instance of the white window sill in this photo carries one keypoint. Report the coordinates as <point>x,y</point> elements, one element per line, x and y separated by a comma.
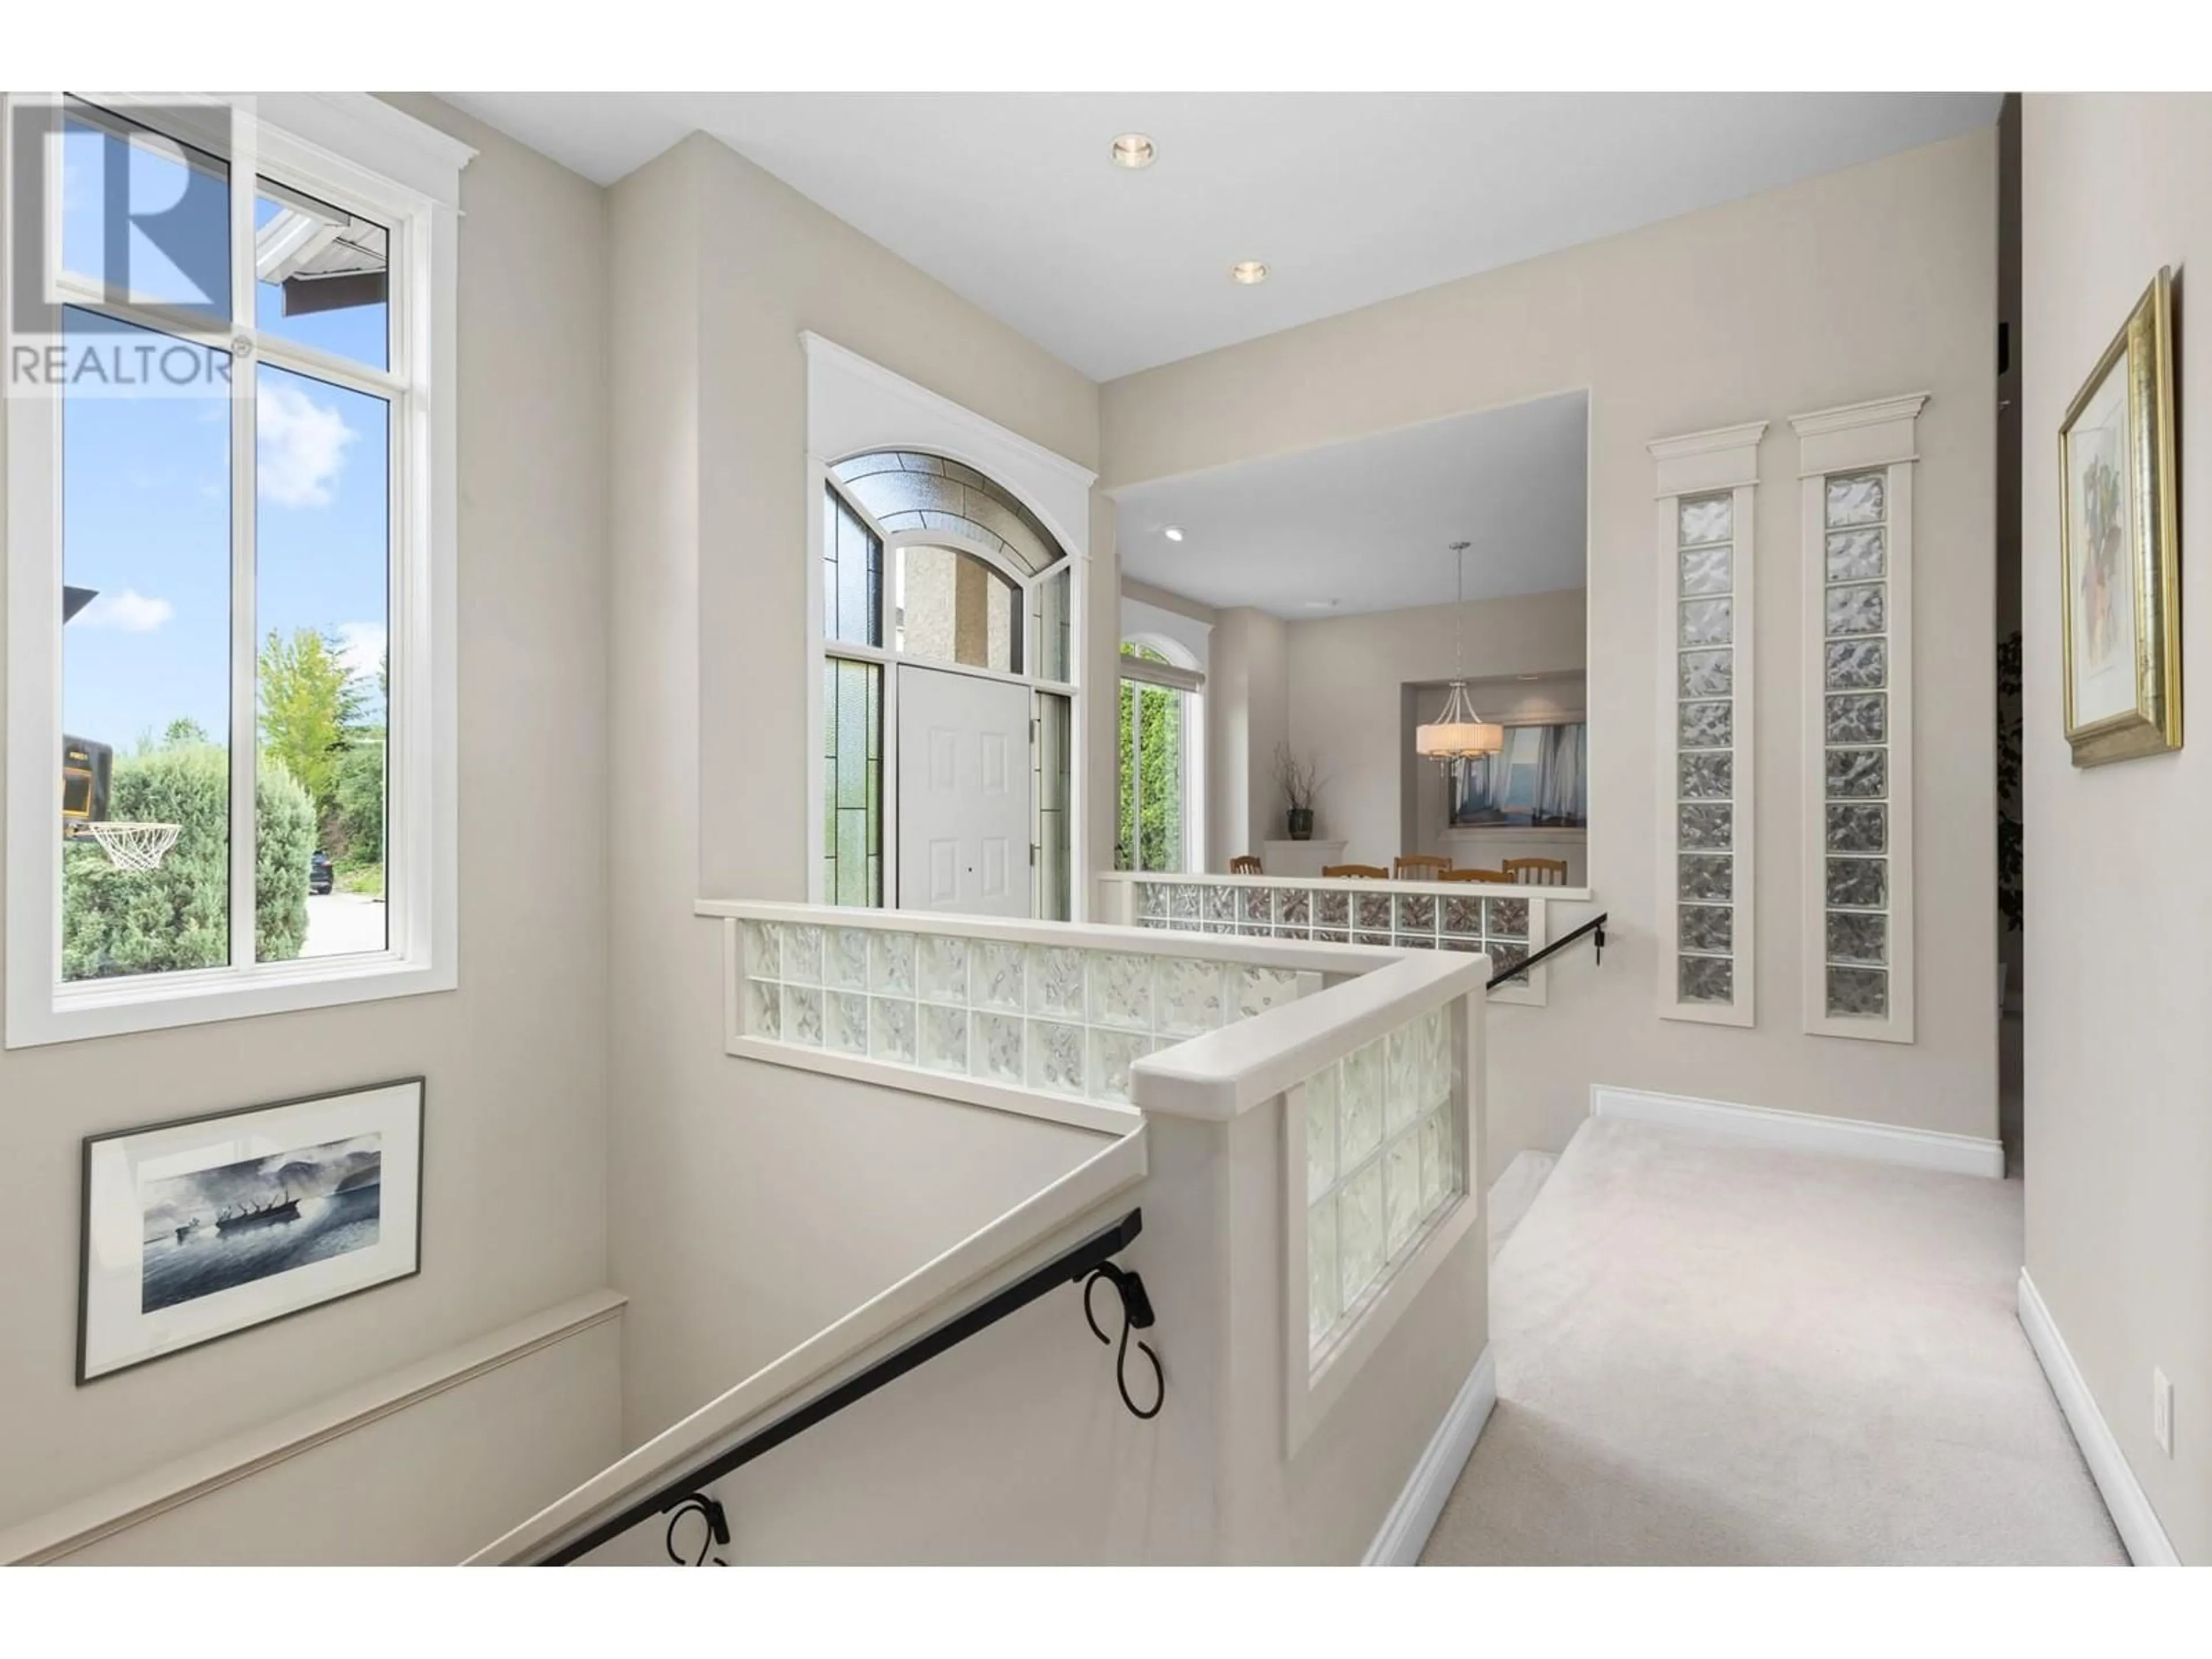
<point>118,1007</point>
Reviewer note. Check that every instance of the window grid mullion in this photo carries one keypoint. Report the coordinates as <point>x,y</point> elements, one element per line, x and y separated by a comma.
<point>244,617</point>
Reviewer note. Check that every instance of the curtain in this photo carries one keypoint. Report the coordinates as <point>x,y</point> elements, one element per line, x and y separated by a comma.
<point>1563,766</point>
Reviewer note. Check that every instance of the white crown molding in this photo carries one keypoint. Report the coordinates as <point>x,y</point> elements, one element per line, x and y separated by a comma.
<point>1724,457</point>
<point>1804,1132</point>
<point>1854,436</point>
<point>1874,413</point>
<point>1405,1531</point>
<point>2134,1519</point>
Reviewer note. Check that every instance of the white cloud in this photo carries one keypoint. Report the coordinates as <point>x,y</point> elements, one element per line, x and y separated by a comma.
<point>127,610</point>
<point>360,648</point>
<point>302,446</point>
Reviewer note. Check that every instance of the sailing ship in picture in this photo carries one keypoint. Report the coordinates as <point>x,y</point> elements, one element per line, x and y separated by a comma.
<point>216,1229</point>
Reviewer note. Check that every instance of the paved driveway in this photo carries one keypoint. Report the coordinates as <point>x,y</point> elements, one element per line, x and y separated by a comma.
<point>342,925</point>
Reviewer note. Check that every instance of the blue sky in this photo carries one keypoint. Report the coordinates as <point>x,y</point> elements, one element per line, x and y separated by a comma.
<point>146,510</point>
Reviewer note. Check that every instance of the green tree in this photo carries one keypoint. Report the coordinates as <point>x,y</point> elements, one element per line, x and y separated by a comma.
<point>1148,829</point>
<point>311,712</point>
<point>361,800</point>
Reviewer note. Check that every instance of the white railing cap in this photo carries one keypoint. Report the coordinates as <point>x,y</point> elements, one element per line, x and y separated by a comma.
<point>1367,885</point>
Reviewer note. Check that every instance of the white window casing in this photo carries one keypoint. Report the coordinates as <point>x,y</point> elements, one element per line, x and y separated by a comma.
<point>358,151</point>
<point>1708,485</point>
<point>1856,470</point>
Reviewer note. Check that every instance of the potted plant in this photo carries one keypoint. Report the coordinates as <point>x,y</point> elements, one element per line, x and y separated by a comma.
<point>1300,784</point>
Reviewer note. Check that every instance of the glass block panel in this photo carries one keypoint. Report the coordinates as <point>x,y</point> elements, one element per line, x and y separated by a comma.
<point>1859,993</point>
<point>1705,876</point>
<point>1381,937</point>
<point>845,962</point>
<point>1256,904</point>
<point>1056,1057</point>
<point>1706,621</point>
<point>849,1023</point>
<point>1359,1231</point>
<point>944,972</point>
<point>1401,1081</point>
<point>1432,1160</point>
<point>1860,718</point>
<point>1856,554</point>
<point>1505,955</point>
<point>1708,927</point>
<point>1056,981</point>
<point>1463,916</point>
<point>1182,902</point>
<point>891,963</point>
<point>1450,942</point>
<point>1121,990</point>
<point>1507,918</point>
<point>1401,1191</point>
<point>944,1039</point>
<point>1293,906</point>
<point>1436,1058</point>
<point>764,950</point>
<point>1112,1055</point>
<point>1857,498</point>
<point>1855,936</point>
<point>994,974</point>
<point>1321,1310</point>
<point>1220,903</point>
<point>1860,884</point>
<point>1707,774</point>
<point>1707,673</point>
<point>1187,996</point>
<point>1258,989</point>
<point>1705,979</point>
<point>802,955</point>
<point>1708,570</point>
<point>1321,1091</point>
<point>1417,913</point>
<point>1858,829</point>
<point>763,1009</point>
<point>1332,908</point>
<point>890,1030</point>
<point>1362,1105</point>
<point>1371,910</point>
<point>1858,664</point>
<point>1708,724</point>
<point>1151,899</point>
<point>1857,772</point>
<point>802,1015</point>
<point>1704,829</point>
<point>1701,519</point>
<point>1858,609</point>
<point>998,1039</point>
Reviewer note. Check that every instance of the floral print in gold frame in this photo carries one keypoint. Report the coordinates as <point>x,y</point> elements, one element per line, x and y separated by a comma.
<point>2119,543</point>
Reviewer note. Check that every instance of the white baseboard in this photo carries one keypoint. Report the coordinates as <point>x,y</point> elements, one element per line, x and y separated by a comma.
<point>1922,1149</point>
<point>2147,1543</point>
<point>1405,1531</point>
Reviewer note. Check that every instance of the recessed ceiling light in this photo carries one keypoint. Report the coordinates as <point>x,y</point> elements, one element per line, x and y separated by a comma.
<point>1249,272</point>
<point>1173,532</point>
<point>1322,605</point>
<point>1528,676</point>
<point>1133,151</point>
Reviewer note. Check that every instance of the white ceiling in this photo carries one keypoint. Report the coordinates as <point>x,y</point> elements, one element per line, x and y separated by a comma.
<point>1369,523</point>
<point>1349,197</point>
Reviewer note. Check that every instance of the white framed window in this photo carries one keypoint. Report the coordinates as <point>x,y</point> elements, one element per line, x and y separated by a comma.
<point>1160,728</point>
<point>1856,466</point>
<point>230,546</point>
<point>1708,486</point>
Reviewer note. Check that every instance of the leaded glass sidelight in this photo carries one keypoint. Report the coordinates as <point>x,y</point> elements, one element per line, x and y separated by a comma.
<point>1855,728</point>
<point>852,776</point>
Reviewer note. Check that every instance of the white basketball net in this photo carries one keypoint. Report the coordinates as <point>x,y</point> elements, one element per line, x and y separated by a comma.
<point>133,846</point>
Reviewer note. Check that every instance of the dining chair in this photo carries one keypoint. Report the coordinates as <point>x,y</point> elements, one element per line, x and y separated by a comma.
<point>1363,872</point>
<point>1418,866</point>
<point>1537,872</point>
<point>1245,864</point>
<point>1472,875</point>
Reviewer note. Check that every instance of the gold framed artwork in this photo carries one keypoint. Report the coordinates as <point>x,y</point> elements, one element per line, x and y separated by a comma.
<point>2118,544</point>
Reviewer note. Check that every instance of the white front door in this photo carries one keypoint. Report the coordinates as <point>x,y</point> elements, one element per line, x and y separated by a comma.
<point>964,793</point>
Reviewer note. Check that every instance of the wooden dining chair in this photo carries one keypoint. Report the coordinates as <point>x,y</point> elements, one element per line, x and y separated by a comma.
<point>1418,866</point>
<point>1363,872</point>
<point>1537,872</point>
<point>1474,875</point>
<point>1245,864</point>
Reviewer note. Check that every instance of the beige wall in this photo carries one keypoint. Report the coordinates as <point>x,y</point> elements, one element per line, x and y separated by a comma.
<point>1873,281</point>
<point>514,1205</point>
<point>1247,716</point>
<point>2119,1137</point>
<point>751,1206</point>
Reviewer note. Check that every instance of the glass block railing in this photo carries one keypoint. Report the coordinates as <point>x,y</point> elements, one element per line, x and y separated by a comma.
<point>1383,1160</point>
<point>1066,1020</point>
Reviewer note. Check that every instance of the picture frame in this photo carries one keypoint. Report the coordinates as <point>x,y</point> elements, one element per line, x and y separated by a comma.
<point>2119,546</point>
<point>204,1227</point>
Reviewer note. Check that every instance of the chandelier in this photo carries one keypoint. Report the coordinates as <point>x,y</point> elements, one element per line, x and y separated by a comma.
<point>1458,732</point>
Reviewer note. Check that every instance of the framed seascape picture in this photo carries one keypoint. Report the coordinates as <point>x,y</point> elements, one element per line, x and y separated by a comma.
<point>2119,553</point>
<point>211,1225</point>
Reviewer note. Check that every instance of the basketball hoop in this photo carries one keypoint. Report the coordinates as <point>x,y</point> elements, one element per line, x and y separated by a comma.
<point>136,847</point>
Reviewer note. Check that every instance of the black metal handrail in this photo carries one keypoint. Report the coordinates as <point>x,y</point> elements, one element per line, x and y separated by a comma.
<point>1594,925</point>
<point>1091,1259</point>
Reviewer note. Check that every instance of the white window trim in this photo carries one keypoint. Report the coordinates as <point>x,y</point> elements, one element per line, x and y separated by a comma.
<point>857,407</point>
<point>1868,437</point>
<point>361,152</point>
<point>1725,459</point>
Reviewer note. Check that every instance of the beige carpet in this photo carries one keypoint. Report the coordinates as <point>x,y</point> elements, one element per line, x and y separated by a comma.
<point>1712,1353</point>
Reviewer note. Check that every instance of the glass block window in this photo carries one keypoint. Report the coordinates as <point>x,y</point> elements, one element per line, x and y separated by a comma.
<point>1855,731</point>
<point>1705,604</point>
<point>852,776</point>
<point>1054,1020</point>
<point>1382,1162</point>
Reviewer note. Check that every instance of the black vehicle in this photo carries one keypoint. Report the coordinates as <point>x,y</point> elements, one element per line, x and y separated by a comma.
<point>318,872</point>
